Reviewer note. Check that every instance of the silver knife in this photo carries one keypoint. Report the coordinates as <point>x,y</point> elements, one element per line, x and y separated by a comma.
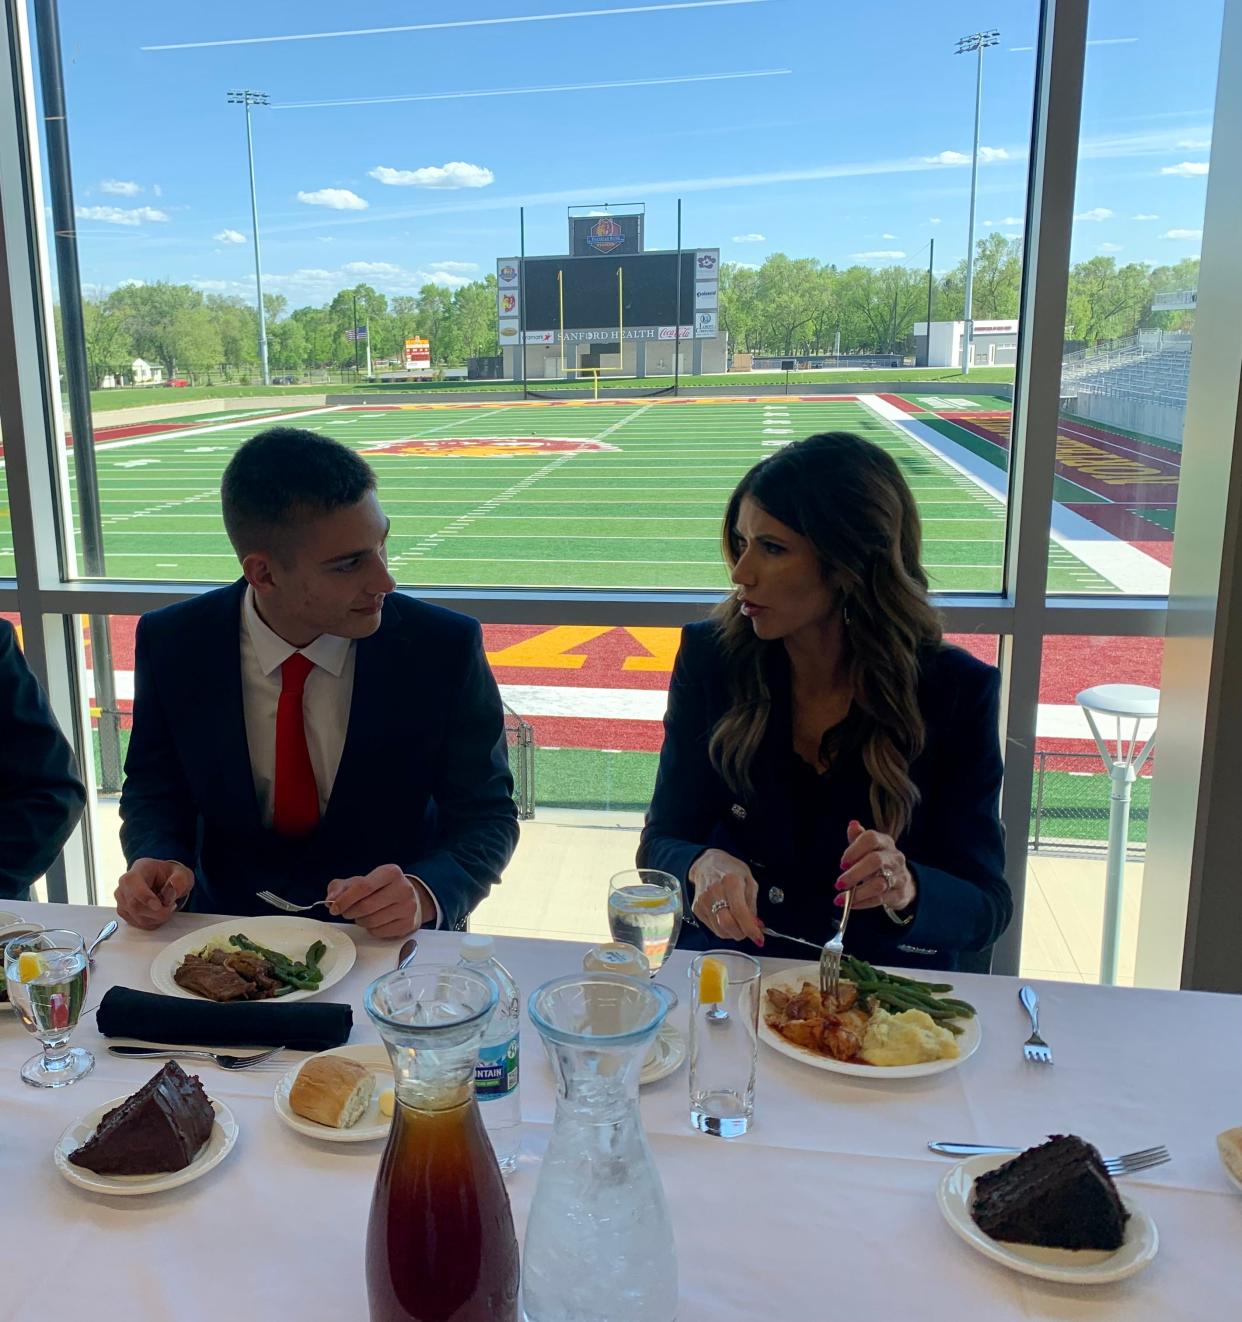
<point>968,1149</point>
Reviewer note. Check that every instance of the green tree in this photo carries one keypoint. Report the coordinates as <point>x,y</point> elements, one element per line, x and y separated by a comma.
<point>109,346</point>
<point>168,324</point>
<point>474,315</point>
<point>1105,301</point>
<point>997,283</point>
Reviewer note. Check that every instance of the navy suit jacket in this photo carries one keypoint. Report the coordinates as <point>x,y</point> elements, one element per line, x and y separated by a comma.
<point>41,795</point>
<point>954,844</point>
<point>423,781</point>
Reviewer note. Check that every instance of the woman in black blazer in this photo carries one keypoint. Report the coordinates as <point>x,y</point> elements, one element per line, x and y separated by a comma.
<point>821,736</point>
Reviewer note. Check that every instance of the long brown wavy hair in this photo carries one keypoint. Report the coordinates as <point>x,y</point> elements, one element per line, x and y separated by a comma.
<point>849,498</point>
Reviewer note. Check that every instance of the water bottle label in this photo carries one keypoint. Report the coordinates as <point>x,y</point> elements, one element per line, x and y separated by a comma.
<point>496,1074</point>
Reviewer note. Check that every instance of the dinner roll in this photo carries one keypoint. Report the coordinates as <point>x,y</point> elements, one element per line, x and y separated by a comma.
<point>332,1090</point>
<point>1230,1145</point>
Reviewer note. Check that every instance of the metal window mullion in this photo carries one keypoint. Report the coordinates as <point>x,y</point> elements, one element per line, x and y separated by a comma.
<point>1045,279</point>
<point>29,402</point>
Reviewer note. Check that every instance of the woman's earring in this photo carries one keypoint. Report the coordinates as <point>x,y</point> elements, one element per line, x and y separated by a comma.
<point>845,613</point>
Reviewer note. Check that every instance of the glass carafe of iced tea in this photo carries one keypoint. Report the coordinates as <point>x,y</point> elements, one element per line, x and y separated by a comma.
<point>440,1243</point>
<point>599,1242</point>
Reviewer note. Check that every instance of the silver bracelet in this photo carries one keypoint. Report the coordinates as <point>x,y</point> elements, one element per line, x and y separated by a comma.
<point>895,917</point>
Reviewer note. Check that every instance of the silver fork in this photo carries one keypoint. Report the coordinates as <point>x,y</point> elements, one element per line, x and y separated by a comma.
<point>225,1062</point>
<point>1034,1048</point>
<point>1128,1163</point>
<point>830,955</point>
<point>279,902</point>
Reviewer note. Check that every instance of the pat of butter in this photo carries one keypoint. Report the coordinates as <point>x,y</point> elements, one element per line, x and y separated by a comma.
<point>386,1102</point>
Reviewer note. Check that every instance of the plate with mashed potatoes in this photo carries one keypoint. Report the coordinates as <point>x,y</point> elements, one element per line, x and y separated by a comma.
<point>855,1034</point>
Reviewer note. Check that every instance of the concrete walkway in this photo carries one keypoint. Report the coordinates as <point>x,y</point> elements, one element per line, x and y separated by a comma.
<point>176,410</point>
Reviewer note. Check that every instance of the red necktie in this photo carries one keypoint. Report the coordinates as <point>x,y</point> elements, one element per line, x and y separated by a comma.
<point>295,802</point>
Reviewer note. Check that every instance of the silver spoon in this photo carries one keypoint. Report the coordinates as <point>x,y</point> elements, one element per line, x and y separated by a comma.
<point>107,930</point>
<point>408,951</point>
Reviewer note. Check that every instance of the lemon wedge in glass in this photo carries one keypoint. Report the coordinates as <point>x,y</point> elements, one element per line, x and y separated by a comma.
<point>713,981</point>
<point>29,965</point>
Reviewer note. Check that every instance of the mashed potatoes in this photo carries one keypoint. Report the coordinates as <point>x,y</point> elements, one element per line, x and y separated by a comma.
<point>909,1038</point>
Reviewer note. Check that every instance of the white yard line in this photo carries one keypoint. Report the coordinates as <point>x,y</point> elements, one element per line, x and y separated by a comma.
<point>1126,567</point>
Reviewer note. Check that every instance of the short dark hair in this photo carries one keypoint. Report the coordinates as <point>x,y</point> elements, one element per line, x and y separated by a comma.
<point>283,476</point>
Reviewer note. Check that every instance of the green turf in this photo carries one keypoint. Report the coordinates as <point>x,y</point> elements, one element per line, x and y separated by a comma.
<point>644,514</point>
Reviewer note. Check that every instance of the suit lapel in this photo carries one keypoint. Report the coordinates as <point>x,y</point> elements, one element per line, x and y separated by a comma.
<point>373,686</point>
<point>220,693</point>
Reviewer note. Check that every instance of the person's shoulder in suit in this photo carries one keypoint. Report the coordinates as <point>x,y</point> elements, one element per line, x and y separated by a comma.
<point>411,619</point>
<point>182,620</point>
<point>947,672</point>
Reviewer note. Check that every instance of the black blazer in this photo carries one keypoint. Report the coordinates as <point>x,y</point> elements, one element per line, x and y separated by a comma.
<point>954,844</point>
<point>423,781</point>
<point>41,794</point>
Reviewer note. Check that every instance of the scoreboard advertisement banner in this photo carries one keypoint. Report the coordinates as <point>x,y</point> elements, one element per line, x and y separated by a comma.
<point>417,355</point>
<point>605,236</point>
<point>707,264</point>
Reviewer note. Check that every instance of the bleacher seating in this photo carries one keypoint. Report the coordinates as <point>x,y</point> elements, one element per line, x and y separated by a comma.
<point>1152,368</point>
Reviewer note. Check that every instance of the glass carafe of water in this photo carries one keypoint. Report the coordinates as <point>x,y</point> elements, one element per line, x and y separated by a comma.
<point>599,1241</point>
<point>440,1244</point>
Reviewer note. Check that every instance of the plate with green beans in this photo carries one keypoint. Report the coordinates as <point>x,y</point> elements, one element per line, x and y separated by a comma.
<point>894,990</point>
<point>307,956</point>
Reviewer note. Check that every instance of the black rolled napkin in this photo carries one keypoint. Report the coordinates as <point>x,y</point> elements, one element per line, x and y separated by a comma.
<point>303,1026</point>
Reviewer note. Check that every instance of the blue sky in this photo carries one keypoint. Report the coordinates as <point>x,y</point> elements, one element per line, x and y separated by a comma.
<point>805,126</point>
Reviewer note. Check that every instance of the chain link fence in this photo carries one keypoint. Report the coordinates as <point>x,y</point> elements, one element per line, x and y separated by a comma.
<point>1070,806</point>
<point>520,738</point>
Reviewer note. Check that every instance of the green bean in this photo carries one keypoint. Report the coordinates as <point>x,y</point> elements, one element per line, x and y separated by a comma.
<point>319,950</point>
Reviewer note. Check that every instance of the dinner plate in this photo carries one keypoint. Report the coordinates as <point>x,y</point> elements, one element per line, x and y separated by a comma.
<point>286,933</point>
<point>1069,1266</point>
<point>792,979</point>
<point>218,1146</point>
<point>371,1125</point>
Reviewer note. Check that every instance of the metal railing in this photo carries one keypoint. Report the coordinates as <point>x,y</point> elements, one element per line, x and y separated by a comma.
<point>520,738</point>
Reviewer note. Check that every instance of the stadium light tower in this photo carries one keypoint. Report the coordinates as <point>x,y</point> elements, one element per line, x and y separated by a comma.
<point>248,98</point>
<point>977,41</point>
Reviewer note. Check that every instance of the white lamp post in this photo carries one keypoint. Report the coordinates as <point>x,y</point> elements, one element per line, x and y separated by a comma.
<point>1123,702</point>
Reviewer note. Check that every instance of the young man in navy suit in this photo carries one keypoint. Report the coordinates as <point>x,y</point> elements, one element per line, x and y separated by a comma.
<point>41,795</point>
<point>307,730</point>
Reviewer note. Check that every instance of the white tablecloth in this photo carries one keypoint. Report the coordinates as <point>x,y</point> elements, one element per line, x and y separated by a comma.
<point>825,1209</point>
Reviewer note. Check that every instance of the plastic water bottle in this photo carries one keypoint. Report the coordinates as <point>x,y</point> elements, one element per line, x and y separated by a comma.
<point>496,1074</point>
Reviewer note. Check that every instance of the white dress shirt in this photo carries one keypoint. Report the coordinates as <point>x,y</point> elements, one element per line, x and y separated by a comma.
<point>326,700</point>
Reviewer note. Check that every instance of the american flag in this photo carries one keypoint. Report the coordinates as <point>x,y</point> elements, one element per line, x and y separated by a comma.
<point>358,333</point>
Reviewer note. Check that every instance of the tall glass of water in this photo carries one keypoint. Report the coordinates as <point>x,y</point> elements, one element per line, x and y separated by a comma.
<point>46,976</point>
<point>644,909</point>
<point>724,1041</point>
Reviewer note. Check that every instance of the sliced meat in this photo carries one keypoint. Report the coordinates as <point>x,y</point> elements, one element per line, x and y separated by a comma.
<point>205,978</point>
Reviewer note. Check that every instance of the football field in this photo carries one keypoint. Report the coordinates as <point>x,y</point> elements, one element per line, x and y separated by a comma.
<point>541,495</point>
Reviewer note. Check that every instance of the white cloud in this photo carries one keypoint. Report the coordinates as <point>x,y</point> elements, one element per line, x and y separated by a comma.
<point>452,174</point>
<point>986,154</point>
<point>223,286</point>
<point>372,268</point>
<point>120,215</point>
<point>1182,234</point>
<point>750,238</point>
<point>1145,215</point>
<point>888,236</point>
<point>879,254</point>
<point>933,220</point>
<point>1096,213</point>
<point>229,236</point>
<point>457,268</point>
<point>337,199</point>
<point>449,279</point>
<point>120,187</point>
<point>1013,220</point>
<point>744,266</point>
<point>1195,144</point>
<point>1186,169</point>
<point>157,190</point>
<point>1110,247</point>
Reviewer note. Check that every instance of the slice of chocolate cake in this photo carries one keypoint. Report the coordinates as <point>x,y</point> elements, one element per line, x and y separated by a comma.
<point>1057,1195</point>
<point>162,1127</point>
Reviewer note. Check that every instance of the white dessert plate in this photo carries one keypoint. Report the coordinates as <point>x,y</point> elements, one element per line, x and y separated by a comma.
<point>792,980</point>
<point>665,1056</point>
<point>1069,1266</point>
<point>211,1154</point>
<point>371,1125</point>
<point>286,933</point>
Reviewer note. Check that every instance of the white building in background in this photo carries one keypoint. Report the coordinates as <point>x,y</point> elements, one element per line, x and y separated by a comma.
<point>143,373</point>
<point>994,344</point>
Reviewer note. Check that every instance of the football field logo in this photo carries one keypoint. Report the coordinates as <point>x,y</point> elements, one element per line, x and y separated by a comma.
<point>490,447</point>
